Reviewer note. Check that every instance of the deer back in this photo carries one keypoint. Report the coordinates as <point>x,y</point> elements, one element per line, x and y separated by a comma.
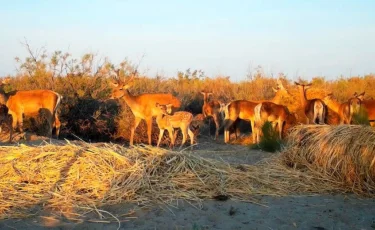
<point>31,101</point>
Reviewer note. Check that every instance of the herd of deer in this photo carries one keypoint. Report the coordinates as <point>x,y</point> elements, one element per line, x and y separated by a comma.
<point>164,107</point>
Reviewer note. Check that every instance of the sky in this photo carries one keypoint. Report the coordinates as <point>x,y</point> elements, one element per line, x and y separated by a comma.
<point>299,38</point>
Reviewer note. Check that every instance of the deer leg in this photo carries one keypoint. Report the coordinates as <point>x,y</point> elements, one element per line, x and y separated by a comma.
<point>57,125</point>
<point>50,119</point>
<point>227,125</point>
<point>191,135</point>
<point>171,136</point>
<point>184,134</point>
<point>161,132</point>
<point>252,129</point>
<point>135,125</point>
<point>9,123</point>
<point>149,128</point>
<point>216,119</point>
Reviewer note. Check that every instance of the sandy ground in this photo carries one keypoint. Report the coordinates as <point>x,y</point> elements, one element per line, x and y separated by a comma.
<point>303,212</point>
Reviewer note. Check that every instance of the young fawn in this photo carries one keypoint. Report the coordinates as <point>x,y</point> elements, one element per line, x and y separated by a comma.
<point>180,119</point>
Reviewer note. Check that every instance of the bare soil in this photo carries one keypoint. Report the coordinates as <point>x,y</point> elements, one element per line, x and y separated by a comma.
<point>291,212</point>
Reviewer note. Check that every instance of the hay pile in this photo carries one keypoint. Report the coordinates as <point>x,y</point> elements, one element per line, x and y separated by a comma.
<point>346,153</point>
<point>76,179</point>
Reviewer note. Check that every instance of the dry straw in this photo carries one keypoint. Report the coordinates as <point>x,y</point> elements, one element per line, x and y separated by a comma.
<point>73,180</point>
<point>346,153</point>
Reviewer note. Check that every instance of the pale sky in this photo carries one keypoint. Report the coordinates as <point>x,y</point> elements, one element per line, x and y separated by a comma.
<point>304,38</point>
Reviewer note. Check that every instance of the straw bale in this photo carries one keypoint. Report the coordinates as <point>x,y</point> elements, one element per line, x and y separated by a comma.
<point>344,152</point>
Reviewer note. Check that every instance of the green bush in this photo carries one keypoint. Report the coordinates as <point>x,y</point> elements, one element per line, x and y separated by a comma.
<point>270,140</point>
<point>360,118</point>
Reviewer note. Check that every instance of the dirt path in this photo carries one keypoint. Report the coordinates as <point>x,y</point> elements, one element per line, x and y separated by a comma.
<point>310,213</point>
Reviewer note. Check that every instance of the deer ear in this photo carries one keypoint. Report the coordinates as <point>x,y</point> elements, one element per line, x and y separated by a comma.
<point>361,96</point>
<point>157,104</point>
<point>114,83</point>
<point>275,90</point>
<point>296,83</point>
<point>202,92</point>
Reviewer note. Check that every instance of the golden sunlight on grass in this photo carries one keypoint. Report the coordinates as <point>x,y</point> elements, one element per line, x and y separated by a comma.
<point>76,179</point>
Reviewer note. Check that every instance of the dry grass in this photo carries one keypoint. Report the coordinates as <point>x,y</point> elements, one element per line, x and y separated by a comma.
<point>75,179</point>
<point>345,153</point>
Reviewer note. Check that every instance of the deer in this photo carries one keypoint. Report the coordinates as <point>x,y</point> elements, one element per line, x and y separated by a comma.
<point>342,109</point>
<point>314,109</point>
<point>274,113</point>
<point>212,109</point>
<point>368,105</point>
<point>142,105</point>
<point>180,119</point>
<point>244,109</point>
<point>345,110</point>
<point>30,103</point>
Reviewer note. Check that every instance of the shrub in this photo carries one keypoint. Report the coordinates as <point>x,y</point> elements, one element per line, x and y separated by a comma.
<point>360,118</point>
<point>269,140</point>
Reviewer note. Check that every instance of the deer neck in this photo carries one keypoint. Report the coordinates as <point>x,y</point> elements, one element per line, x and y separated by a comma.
<point>277,98</point>
<point>130,99</point>
<point>3,97</point>
<point>205,98</point>
<point>333,104</point>
<point>303,98</point>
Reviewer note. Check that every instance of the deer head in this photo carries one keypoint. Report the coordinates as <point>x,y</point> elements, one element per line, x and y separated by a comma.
<point>359,96</point>
<point>120,87</point>
<point>164,109</point>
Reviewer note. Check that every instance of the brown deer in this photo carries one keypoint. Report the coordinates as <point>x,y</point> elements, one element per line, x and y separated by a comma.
<point>212,109</point>
<point>315,109</point>
<point>31,103</point>
<point>143,105</point>
<point>274,113</point>
<point>344,110</point>
<point>180,119</point>
<point>244,109</point>
<point>368,105</point>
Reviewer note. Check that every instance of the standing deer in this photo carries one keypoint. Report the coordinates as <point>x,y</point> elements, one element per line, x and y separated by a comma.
<point>31,103</point>
<point>274,113</point>
<point>143,105</point>
<point>180,119</point>
<point>212,109</point>
<point>314,109</point>
<point>368,105</point>
<point>342,109</point>
<point>243,109</point>
<point>345,110</point>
